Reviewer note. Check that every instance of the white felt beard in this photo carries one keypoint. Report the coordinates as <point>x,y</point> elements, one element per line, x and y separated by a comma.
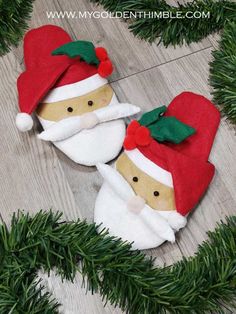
<point>101,143</point>
<point>146,230</point>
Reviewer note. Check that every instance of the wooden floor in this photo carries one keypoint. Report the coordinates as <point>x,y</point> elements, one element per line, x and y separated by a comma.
<point>35,175</point>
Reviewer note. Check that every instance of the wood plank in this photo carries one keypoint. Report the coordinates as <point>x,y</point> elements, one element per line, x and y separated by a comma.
<point>129,54</point>
<point>33,177</point>
<point>74,298</point>
<point>147,75</point>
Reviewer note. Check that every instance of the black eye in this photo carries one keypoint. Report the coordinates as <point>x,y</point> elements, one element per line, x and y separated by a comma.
<point>70,109</point>
<point>135,179</point>
<point>156,193</point>
<point>90,102</point>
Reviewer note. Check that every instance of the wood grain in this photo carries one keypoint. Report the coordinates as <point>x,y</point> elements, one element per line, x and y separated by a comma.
<point>35,175</point>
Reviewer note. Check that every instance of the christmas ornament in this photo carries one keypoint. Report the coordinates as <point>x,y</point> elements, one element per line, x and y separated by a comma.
<point>65,83</point>
<point>125,278</point>
<point>162,173</point>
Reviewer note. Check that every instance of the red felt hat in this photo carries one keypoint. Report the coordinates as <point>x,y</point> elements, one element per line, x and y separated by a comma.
<point>56,76</point>
<point>184,166</point>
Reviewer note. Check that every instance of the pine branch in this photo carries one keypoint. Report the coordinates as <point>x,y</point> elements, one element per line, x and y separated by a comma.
<point>13,22</point>
<point>126,278</point>
<point>174,31</point>
<point>22,294</point>
<point>223,72</point>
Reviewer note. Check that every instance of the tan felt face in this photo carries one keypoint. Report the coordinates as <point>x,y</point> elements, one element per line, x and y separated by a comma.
<point>59,110</point>
<point>157,195</point>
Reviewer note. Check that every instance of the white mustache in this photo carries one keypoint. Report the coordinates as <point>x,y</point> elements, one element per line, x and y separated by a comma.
<point>70,126</point>
<point>125,192</point>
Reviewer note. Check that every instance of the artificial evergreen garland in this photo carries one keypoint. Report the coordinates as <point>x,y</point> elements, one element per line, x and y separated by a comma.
<point>13,22</point>
<point>174,31</point>
<point>205,282</point>
<point>223,72</point>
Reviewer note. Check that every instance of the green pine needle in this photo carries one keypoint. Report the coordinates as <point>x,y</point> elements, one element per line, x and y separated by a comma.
<point>223,72</point>
<point>13,22</point>
<point>174,31</point>
<point>128,279</point>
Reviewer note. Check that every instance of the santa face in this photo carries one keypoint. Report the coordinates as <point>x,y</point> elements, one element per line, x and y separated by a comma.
<point>97,143</point>
<point>56,111</point>
<point>134,206</point>
<point>158,196</point>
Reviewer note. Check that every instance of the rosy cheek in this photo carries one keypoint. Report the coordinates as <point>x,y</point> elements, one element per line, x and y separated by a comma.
<point>104,101</point>
<point>163,203</point>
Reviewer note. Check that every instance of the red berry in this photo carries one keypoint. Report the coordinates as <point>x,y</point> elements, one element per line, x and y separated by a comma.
<point>105,68</point>
<point>143,136</point>
<point>129,142</point>
<point>101,53</point>
<point>132,127</point>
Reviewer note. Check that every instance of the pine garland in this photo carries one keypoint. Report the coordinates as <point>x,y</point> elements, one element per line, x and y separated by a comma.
<point>174,31</point>
<point>13,22</point>
<point>223,72</point>
<point>128,279</point>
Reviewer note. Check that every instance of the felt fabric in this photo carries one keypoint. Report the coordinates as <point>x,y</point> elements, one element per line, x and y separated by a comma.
<point>88,53</point>
<point>78,89</point>
<point>191,176</point>
<point>186,164</point>
<point>188,161</point>
<point>203,116</point>
<point>43,71</point>
<point>157,195</point>
<point>68,127</point>
<point>80,48</point>
<point>85,147</point>
<point>57,72</point>
<point>153,125</point>
<point>76,106</point>
<point>152,116</point>
<point>111,212</point>
<point>116,182</point>
<point>116,111</point>
<point>124,191</point>
<point>136,204</point>
<point>165,128</point>
<point>33,85</point>
<point>152,219</point>
<point>149,167</point>
<point>24,122</point>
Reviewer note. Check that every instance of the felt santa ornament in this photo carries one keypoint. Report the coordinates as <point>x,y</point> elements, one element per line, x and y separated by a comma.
<point>65,83</point>
<point>162,173</point>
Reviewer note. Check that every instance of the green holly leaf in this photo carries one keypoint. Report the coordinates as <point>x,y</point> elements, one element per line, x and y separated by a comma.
<point>152,116</point>
<point>83,49</point>
<point>171,130</point>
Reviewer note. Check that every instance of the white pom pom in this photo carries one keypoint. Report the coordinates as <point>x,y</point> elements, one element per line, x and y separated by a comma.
<point>24,122</point>
<point>176,221</point>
